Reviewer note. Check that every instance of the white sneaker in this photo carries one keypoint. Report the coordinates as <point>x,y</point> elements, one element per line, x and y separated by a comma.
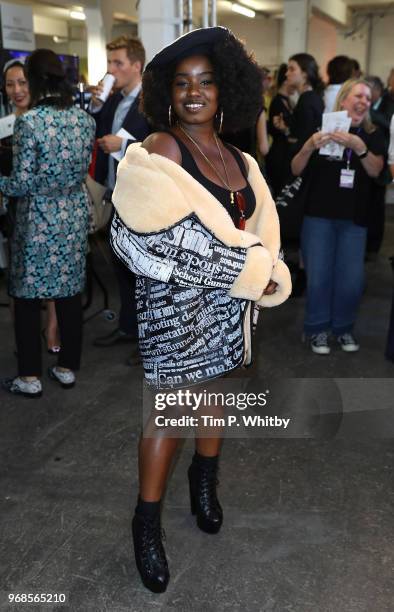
<point>319,343</point>
<point>348,343</point>
<point>65,379</point>
<point>18,386</point>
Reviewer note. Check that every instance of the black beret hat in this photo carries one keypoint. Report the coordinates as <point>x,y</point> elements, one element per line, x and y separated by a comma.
<point>196,42</point>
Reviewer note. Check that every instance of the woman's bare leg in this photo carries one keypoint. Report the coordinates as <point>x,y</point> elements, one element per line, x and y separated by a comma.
<point>155,459</point>
<point>52,329</point>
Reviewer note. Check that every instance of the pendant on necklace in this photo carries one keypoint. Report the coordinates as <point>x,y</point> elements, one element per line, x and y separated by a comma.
<point>232,197</point>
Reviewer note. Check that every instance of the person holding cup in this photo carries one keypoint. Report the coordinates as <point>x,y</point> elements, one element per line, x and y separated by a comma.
<point>120,109</point>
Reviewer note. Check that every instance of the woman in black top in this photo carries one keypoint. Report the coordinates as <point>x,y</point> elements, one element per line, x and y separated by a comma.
<point>334,228</point>
<point>303,75</point>
<point>277,160</point>
<point>192,198</point>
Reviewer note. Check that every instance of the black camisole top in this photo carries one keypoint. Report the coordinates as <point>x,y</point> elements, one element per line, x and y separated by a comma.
<point>220,193</point>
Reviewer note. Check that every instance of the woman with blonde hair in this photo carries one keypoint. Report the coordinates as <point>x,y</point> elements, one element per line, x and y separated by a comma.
<point>334,231</point>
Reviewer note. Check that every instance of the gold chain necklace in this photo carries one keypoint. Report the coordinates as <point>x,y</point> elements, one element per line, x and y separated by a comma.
<point>226,182</point>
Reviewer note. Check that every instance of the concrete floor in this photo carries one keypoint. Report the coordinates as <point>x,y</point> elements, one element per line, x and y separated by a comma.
<point>308,521</point>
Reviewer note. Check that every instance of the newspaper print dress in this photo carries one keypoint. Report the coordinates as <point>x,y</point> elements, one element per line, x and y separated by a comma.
<point>189,329</point>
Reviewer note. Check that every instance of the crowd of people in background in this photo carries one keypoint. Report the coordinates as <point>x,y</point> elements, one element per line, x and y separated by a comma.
<point>45,197</point>
<point>334,273</point>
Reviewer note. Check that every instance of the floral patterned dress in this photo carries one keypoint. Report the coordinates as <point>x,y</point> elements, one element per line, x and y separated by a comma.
<point>52,150</point>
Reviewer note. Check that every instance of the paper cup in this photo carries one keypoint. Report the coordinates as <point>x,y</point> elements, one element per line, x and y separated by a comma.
<point>107,84</point>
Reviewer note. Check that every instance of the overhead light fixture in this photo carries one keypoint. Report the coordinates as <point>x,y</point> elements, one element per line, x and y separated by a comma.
<point>80,15</point>
<point>242,10</point>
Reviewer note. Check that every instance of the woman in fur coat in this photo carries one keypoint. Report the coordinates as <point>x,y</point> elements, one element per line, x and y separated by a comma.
<point>196,223</point>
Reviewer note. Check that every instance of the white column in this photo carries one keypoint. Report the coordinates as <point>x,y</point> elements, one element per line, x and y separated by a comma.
<point>205,13</point>
<point>213,13</point>
<point>158,24</point>
<point>97,56</point>
<point>295,27</point>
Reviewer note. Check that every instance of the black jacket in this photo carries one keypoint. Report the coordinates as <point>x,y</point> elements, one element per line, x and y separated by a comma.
<point>306,118</point>
<point>134,123</point>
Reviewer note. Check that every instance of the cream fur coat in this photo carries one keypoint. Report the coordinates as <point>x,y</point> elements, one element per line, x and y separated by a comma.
<point>190,258</point>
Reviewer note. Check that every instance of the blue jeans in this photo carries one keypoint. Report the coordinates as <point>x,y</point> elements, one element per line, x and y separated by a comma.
<point>333,252</point>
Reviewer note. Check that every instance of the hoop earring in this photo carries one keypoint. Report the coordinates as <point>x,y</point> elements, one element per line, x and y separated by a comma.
<point>170,116</point>
<point>220,121</point>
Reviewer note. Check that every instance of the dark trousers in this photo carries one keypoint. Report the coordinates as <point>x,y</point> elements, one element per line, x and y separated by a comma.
<point>390,336</point>
<point>28,333</point>
<point>376,218</point>
<point>126,285</point>
<point>128,308</point>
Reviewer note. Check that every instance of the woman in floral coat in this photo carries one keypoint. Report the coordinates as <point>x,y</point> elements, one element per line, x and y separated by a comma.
<point>52,149</point>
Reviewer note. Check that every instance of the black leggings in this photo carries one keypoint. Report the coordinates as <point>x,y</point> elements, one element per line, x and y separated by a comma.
<point>28,333</point>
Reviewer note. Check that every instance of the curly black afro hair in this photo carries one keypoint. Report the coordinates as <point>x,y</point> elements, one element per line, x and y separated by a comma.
<point>237,76</point>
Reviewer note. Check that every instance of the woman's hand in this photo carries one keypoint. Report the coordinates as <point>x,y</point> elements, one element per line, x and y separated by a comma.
<point>270,288</point>
<point>349,141</point>
<point>280,124</point>
<point>316,141</point>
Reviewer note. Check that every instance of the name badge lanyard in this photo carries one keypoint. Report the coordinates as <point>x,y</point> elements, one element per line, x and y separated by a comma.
<point>349,151</point>
<point>348,154</point>
<point>346,180</point>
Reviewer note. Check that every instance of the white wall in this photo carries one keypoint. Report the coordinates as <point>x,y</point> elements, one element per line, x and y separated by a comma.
<point>354,46</point>
<point>382,47</point>
<point>262,36</point>
<point>45,26</point>
<point>325,40</point>
<point>109,7</point>
<point>322,42</point>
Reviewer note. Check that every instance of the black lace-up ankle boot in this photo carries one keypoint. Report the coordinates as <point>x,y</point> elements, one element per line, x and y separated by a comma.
<point>150,556</point>
<point>203,499</point>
